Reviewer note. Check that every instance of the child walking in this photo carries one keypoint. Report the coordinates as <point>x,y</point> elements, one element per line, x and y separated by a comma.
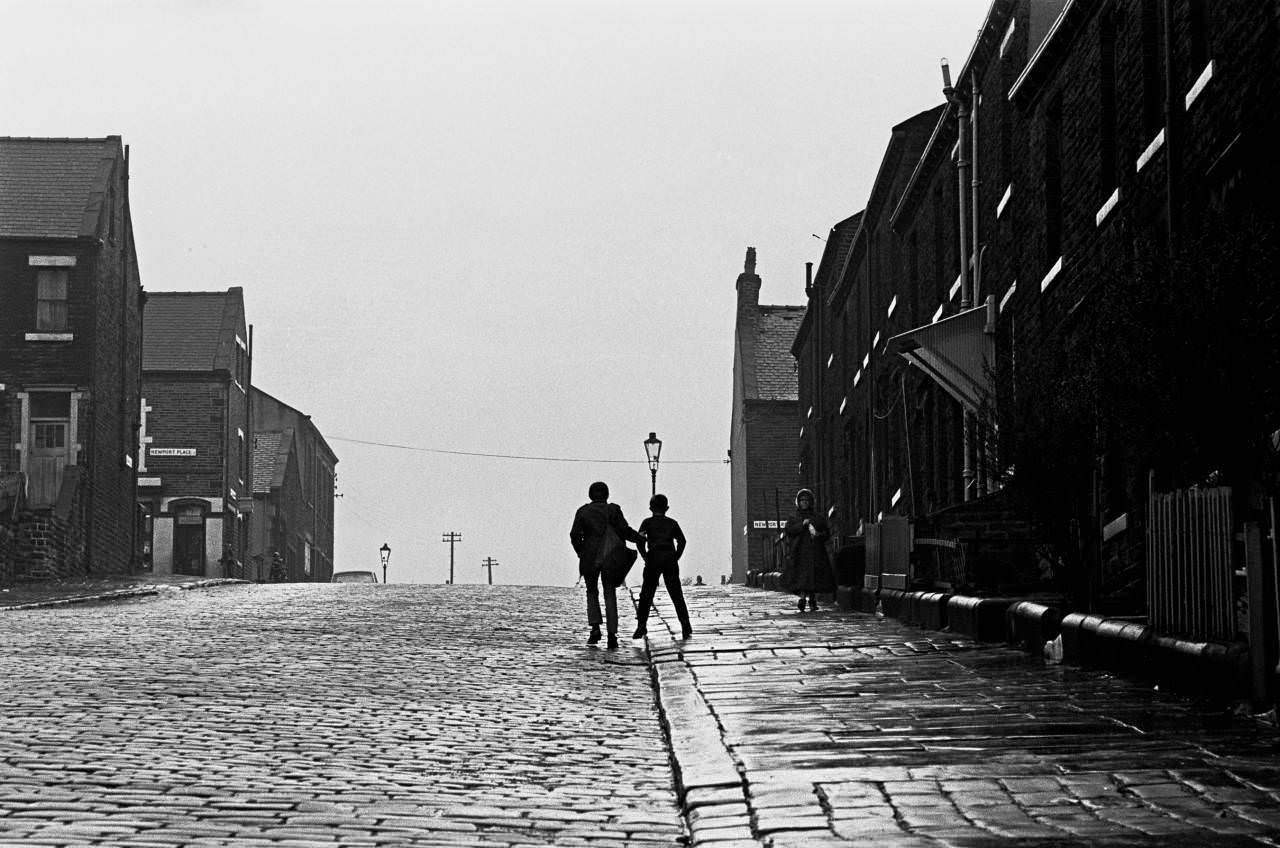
<point>663,543</point>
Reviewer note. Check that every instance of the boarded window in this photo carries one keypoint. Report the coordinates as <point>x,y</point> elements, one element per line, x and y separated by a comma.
<point>51,300</point>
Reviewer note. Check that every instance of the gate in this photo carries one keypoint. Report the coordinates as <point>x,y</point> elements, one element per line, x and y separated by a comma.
<point>1189,570</point>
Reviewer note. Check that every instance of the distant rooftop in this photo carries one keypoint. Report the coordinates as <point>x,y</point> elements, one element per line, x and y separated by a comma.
<point>189,331</point>
<point>775,366</point>
<point>53,187</point>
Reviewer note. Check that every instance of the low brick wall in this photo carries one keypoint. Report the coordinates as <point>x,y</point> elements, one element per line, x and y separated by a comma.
<point>6,553</point>
<point>48,547</point>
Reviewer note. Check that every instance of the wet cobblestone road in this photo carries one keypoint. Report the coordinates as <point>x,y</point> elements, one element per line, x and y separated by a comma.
<point>312,715</point>
<point>475,716</point>
<point>848,729</point>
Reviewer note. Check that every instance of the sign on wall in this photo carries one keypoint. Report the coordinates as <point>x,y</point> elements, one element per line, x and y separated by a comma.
<point>171,451</point>
<point>766,525</point>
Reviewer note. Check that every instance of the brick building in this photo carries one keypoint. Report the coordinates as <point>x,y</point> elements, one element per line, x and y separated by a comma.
<point>986,359</point>
<point>846,386</point>
<point>763,471</point>
<point>193,474</point>
<point>69,358</point>
<point>294,471</point>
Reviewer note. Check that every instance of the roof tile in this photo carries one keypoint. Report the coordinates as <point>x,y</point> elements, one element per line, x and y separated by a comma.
<point>183,331</point>
<point>52,187</point>
<point>775,366</point>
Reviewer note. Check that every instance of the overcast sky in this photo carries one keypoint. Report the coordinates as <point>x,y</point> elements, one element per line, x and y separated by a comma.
<point>491,227</point>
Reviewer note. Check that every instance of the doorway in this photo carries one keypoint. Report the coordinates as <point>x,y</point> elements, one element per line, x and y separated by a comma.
<point>188,540</point>
<point>50,446</point>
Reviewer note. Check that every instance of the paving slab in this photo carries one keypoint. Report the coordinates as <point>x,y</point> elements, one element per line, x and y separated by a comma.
<point>846,728</point>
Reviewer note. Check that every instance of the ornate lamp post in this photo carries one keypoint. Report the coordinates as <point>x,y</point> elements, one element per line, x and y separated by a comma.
<point>385,550</point>
<point>653,449</point>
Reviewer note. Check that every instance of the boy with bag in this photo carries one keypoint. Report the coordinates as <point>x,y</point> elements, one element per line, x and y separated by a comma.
<point>597,535</point>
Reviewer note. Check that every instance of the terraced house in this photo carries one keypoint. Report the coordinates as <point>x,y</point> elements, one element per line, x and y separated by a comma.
<point>70,332</point>
<point>294,474</point>
<point>762,425</point>
<point>193,473</point>
<point>1044,359</point>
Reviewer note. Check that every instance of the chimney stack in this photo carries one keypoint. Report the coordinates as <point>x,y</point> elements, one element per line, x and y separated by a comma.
<point>748,284</point>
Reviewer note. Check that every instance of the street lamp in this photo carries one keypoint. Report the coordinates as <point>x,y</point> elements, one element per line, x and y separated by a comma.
<point>385,550</point>
<point>652,449</point>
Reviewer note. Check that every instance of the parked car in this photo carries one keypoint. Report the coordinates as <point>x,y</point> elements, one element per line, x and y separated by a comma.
<point>354,577</point>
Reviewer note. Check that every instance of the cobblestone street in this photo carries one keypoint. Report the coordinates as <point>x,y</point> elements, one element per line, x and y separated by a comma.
<point>301,714</point>
<point>305,715</point>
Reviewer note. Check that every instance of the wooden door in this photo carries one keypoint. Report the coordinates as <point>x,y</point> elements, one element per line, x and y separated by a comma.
<point>47,460</point>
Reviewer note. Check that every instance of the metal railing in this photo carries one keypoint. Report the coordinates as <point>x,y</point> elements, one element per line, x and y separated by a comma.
<point>1190,535</point>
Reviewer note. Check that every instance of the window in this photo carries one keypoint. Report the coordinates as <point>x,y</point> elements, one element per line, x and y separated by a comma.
<point>1007,79</point>
<point>51,300</point>
<point>939,233</point>
<point>1198,25</point>
<point>1107,104</point>
<point>1053,180</point>
<point>1152,81</point>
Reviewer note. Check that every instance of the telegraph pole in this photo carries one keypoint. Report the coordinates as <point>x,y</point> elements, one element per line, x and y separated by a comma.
<point>489,563</point>
<point>451,537</point>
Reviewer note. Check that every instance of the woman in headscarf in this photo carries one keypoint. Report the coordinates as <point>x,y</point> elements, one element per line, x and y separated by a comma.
<point>809,570</point>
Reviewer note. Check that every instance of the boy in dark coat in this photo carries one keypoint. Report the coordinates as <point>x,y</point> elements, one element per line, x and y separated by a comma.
<point>661,548</point>
<point>586,534</point>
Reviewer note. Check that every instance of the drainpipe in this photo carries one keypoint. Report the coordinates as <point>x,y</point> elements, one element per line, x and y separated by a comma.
<point>974,184</point>
<point>975,255</point>
<point>962,171</point>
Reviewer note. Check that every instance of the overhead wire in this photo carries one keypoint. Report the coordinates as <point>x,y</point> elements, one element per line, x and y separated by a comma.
<point>520,456</point>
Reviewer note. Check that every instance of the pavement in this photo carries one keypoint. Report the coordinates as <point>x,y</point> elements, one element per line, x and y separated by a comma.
<point>89,589</point>
<point>303,715</point>
<point>847,728</point>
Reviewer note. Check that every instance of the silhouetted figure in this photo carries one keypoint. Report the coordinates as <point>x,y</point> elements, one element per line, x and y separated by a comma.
<point>661,548</point>
<point>587,534</point>
<point>809,570</point>
<point>278,572</point>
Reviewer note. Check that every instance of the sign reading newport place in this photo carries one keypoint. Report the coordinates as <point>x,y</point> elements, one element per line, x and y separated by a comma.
<point>171,451</point>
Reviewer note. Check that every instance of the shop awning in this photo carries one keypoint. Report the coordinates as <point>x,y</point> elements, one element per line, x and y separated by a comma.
<point>957,352</point>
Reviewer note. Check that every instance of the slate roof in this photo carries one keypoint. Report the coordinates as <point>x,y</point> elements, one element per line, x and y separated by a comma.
<point>835,256</point>
<point>270,459</point>
<point>190,331</point>
<point>265,448</point>
<point>53,187</point>
<point>775,366</point>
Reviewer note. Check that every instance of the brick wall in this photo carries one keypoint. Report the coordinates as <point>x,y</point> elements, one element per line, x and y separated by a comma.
<point>101,362</point>
<point>113,411</point>
<point>1047,162</point>
<point>770,462</point>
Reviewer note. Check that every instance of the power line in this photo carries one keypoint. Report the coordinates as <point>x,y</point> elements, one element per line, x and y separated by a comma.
<point>521,456</point>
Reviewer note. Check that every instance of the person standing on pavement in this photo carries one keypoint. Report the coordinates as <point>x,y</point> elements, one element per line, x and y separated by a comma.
<point>661,547</point>
<point>809,570</point>
<point>586,535</point>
